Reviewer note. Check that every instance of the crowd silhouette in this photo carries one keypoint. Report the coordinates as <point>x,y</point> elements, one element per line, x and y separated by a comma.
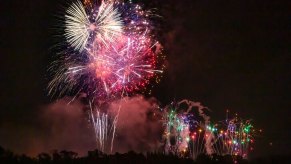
<point>96,157</point>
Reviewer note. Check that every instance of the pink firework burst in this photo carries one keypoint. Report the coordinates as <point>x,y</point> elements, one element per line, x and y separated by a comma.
<point>126,66</point>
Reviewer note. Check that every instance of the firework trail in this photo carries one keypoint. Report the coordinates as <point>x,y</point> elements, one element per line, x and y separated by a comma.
<point>111,53</point>
<point>100,124</point>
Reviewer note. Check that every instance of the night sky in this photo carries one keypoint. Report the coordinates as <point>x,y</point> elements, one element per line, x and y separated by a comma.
<point>226,54</point>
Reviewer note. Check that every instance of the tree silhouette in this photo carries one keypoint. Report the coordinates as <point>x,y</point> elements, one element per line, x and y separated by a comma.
<point>96,156</point>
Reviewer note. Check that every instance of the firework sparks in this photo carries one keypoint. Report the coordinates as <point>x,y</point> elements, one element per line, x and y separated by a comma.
<point>235,137</point>
<point>185,132</point>
<point>187,135</point>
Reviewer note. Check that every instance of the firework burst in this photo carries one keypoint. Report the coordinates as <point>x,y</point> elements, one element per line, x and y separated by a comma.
<point>95,24</point>
<point>77,26</point>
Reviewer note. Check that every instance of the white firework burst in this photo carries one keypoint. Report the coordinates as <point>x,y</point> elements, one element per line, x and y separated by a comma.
<point>108,23</point>
<point>99,25</point>
<point>76,26</point>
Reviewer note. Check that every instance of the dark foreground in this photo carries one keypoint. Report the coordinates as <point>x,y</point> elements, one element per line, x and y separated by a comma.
<point>97,157</point>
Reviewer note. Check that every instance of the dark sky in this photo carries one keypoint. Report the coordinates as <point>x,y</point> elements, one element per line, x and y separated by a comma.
<point>226,54</point>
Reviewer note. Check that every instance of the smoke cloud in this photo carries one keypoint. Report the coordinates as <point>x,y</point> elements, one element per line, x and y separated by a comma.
<point>63,126</point>
<point>57,126</point>
<point>138,126</point>
<point>67,127</point>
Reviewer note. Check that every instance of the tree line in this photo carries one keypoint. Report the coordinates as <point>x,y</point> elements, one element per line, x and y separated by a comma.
<point>97,157</point>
